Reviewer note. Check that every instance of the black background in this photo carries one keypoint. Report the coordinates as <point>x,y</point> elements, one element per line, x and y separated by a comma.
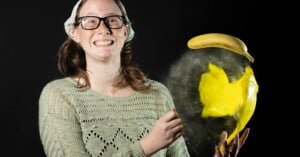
<point>32,31</point>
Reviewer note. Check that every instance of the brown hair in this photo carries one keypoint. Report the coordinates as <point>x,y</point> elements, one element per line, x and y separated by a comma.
<point>72,62</point>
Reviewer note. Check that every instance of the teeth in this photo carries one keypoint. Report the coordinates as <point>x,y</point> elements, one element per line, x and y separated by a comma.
<point>103,42</point>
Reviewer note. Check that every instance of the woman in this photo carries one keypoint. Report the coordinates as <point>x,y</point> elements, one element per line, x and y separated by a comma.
<point>105,106</point>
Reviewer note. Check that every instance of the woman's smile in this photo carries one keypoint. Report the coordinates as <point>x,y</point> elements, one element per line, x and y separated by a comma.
<point>105,42</point>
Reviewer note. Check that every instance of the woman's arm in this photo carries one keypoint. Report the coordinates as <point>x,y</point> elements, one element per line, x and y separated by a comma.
<point>59,127</point>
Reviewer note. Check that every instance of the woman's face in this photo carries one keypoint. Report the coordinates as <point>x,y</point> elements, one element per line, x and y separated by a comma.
<point>101,43</point>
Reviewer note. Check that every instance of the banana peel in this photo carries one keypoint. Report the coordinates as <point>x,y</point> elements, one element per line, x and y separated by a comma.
<point>220,40</point>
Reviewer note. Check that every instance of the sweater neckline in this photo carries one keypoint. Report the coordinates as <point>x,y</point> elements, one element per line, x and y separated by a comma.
<point>74,82</point>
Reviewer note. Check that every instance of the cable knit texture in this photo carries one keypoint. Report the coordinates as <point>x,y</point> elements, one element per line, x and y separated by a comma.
<point>82,123</point>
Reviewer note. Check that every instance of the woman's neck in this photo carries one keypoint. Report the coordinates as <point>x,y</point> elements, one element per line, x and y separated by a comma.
<point>103,78</point>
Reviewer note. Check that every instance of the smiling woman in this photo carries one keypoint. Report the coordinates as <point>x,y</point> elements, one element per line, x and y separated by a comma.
<point>104,105</point>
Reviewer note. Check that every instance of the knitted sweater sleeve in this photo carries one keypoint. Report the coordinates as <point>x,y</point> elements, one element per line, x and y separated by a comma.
<point>177,148</point>
<point>60,128</point>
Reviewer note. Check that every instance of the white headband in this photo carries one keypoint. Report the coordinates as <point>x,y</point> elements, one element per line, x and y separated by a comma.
<point>71,20</point>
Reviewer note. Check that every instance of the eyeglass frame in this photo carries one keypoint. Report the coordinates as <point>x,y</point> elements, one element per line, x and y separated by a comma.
<point>104,19</point>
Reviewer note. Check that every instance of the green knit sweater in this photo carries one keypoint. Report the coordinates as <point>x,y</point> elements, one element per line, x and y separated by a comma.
<point>82,123</point>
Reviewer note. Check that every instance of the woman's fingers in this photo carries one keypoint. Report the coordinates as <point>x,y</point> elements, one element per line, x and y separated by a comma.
<point>170,116</point>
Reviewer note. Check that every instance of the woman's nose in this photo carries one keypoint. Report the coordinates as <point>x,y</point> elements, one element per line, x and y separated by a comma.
<point>103,28</point>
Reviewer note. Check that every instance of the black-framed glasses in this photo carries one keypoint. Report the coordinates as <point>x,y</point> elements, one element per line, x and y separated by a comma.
<point>93,22</point>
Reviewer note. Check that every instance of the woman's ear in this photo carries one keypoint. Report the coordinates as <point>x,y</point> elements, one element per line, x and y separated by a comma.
<point>126,31</point>
<point>75,35</point>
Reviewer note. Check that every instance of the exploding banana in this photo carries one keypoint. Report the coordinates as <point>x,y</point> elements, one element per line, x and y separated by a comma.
<point>214,89</point>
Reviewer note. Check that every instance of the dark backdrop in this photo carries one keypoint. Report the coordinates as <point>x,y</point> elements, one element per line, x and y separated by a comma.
<point>32,31</point>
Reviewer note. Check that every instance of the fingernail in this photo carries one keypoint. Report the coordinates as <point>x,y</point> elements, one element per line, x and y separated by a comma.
<point>176,114</point>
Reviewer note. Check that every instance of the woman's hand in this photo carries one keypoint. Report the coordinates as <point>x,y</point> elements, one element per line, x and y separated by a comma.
<point>230,150</point>
<point>165,131</point>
